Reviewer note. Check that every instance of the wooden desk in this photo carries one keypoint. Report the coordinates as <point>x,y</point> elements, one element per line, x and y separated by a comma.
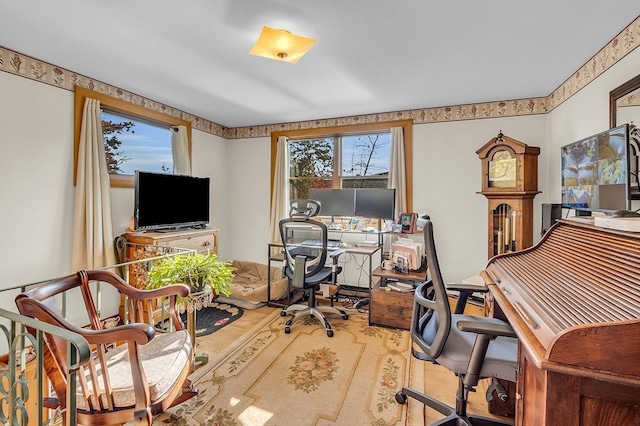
<point>574,302</point>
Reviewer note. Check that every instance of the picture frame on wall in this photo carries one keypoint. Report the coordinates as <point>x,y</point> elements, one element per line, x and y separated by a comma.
<point>408,222</point>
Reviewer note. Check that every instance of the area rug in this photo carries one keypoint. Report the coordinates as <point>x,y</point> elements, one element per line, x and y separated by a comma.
<point>302,378</point>
<point>214,317</point>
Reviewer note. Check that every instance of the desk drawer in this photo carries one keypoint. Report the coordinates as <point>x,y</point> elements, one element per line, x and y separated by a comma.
<point>390,308</point>
<point>201,243</point>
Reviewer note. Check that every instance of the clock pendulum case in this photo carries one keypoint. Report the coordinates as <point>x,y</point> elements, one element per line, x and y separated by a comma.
<point>510,182</point>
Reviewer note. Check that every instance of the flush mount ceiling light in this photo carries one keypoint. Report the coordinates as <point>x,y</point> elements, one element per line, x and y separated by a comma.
<point>281,45</point>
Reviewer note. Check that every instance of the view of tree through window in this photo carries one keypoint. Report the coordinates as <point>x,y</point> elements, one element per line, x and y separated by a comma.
<point>354,161</point>
<point>132,144</point>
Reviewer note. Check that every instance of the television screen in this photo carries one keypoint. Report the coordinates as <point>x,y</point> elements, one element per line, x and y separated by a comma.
<point>169,201</point>
<point>334,202</point>
<point>595,171</point>
<point>376,203</point>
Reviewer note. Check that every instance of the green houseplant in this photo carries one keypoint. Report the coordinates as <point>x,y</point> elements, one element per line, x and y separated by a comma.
<point>196,270</point>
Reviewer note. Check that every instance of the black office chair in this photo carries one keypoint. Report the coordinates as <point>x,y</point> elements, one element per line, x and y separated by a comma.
<point>305,255</point>
<point>471,347</point>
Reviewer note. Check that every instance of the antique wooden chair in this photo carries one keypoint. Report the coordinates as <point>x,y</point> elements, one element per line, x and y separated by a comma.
<point>134,372</point>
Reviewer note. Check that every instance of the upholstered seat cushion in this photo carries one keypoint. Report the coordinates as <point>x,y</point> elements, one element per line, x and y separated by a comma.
<point>500,360</point>
<point>163,359</point>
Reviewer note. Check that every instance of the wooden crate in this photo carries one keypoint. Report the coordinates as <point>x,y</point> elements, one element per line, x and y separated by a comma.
<point>390,308</point>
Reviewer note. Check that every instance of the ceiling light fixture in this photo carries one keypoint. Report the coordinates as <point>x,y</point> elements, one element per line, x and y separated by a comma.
<point>281,45</point>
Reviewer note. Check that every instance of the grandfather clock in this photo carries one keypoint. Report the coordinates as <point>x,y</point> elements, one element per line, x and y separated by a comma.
<point>510,182</point>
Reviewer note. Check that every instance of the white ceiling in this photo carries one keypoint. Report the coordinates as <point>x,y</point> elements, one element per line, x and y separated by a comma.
<point>372,56</point>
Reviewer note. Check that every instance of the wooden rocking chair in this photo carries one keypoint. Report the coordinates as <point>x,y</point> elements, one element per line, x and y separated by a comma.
<point>134,372</point>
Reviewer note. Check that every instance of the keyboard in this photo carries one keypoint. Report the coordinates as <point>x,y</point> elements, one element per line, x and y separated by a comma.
<point>332,244</point>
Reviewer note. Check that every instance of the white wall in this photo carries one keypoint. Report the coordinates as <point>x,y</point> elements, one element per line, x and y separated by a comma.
<point>36,172</point>
<point>248,201</point>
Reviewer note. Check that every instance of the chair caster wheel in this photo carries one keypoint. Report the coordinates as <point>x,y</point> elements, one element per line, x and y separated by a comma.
<point>345,316</point>
<point>287,330</point>
<point>283,313</point>
<point>401,398</point>
<point>330,333</point>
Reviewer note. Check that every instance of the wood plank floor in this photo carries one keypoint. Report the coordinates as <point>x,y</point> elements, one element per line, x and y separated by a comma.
<point>443,384</point>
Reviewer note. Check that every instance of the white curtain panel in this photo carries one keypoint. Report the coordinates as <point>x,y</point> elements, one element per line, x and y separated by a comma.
<point>92,226</point>
<point>180,150</point>
<point>397,171</point>
<point>280,196</point>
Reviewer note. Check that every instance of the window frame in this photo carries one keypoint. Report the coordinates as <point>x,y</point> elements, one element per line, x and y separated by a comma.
<point>348,130</point>
<point>122,107</point>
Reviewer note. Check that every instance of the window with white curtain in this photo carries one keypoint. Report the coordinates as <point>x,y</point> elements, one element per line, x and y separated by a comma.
<point>131,144</point>
<point>341,161</point>
<point>143,138</point>
<point>349,156</point>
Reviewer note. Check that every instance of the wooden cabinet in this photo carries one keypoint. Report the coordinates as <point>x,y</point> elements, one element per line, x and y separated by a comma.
<point>392,308</point>
<point>142,245</point>
<point>203,240</point>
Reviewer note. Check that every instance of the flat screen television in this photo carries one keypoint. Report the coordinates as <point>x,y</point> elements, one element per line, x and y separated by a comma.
<point>376,203</point>
<point>169,201</point>
<point>595,172</point>
<point>334,202</point>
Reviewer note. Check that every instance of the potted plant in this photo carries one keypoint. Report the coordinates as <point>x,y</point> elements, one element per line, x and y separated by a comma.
<point>200,272</point>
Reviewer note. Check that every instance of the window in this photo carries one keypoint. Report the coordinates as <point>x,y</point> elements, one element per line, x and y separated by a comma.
<point>350,161</point>
<point>352,156</point>
<point>143,137</point>
<point>131,144</point>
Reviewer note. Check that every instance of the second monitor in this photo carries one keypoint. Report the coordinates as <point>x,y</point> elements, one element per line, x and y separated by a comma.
<point>374,203</point>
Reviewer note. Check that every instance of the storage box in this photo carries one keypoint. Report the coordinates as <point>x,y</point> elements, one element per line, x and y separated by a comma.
<point>390,308</point>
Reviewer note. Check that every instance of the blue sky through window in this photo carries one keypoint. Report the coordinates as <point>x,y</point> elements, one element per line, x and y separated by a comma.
<point>355,152</point>
<point>148,148</point>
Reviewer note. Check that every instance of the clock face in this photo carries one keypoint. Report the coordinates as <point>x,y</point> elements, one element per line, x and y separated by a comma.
<point>502,170</point>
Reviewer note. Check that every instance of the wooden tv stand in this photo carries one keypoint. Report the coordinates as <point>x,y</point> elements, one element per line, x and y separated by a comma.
<point>203,240</point>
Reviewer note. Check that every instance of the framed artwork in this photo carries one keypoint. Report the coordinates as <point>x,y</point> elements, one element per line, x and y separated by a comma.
<point>408,222</point>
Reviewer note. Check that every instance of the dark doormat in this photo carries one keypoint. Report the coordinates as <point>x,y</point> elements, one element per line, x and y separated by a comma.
<point>214,317</point>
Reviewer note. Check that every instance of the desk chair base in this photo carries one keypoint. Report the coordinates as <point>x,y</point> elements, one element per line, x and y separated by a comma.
<point>454,416</point>
<point>316,312</point>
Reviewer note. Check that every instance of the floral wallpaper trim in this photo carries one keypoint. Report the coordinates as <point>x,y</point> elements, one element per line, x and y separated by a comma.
<point>625,42</point>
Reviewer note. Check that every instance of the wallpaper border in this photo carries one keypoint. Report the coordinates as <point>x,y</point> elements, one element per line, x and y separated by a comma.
<point>626,41</point>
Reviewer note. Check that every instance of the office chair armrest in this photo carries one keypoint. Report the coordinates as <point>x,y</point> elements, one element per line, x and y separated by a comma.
<point>335,254</point>
<point>485,330</point>
<point>470,288</point>
<point>493,328</point>
<point>464,292</point>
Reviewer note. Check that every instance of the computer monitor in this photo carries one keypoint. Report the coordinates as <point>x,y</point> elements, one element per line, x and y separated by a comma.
<point>376,203</point>
<point>334,202</point>
<point>595,172</point>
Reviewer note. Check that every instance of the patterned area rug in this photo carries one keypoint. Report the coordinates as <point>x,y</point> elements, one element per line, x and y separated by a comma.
<point>302,378</point>
<point>214,317</point>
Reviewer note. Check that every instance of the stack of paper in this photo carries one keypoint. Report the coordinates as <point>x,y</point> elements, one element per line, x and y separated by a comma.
<point>398,286</point>
<point>409,249</point>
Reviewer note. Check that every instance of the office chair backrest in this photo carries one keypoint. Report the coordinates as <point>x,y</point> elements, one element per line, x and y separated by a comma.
<point>302,236</point>
<point>300,208</point>
<point>432,314</point>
